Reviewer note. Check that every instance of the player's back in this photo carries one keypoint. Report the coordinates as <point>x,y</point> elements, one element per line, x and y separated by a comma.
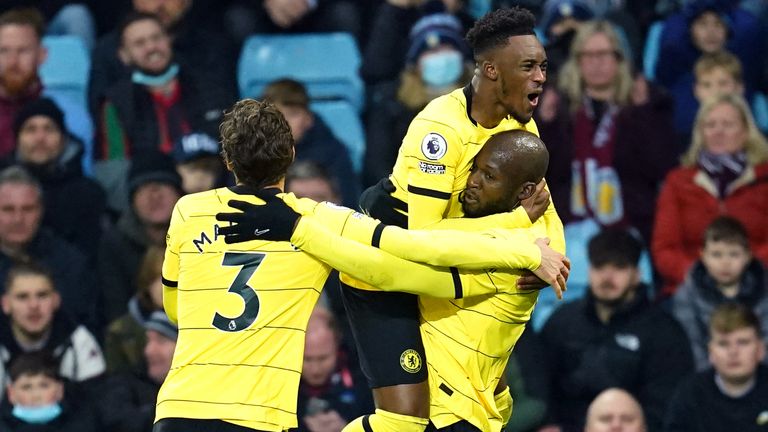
<point>242,312</point>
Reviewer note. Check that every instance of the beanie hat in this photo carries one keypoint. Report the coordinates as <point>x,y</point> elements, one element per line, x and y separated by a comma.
<point>159,322</point>
<point>558,10</point>
<point>152,166</point>
<point>722,8</point>
<point>42,106</point>
<point>193,146</point>
<point>432,31</point>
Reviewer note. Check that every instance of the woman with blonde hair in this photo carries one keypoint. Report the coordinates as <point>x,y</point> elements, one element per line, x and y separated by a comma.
<point>609,134</point>
<point>724,172</point>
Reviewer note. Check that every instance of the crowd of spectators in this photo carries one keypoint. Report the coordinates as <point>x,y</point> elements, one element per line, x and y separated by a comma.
<point>654,113</point>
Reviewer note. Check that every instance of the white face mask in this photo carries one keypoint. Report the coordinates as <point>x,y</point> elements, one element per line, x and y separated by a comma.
<point>442,68</point>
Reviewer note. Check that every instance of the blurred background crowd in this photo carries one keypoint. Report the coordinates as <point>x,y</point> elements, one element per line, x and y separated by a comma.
<point>654,113</point>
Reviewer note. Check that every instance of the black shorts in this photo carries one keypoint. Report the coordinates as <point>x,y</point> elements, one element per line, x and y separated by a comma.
<point>385,326</point>
<point>197,425</point>
<point>462,426</point>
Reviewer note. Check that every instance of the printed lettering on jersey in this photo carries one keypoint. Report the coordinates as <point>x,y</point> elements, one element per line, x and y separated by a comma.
<point>429,168</point>
<point>434,146</point>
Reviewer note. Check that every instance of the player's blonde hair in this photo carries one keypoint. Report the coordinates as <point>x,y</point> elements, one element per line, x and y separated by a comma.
<point>570,80</point>
<point>755,145</point>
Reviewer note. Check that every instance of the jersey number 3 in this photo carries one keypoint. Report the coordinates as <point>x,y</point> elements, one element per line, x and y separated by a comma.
<point>249,263</point>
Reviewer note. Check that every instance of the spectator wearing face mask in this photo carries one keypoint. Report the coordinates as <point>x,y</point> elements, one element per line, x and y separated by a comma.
<point>437,61</point>
<point>37,399</point>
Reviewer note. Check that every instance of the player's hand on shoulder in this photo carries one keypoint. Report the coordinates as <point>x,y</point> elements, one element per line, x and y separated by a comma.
<point>272,221</point>
<point>536,204</point>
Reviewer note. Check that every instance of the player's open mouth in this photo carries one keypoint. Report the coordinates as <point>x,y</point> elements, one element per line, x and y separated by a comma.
<point>534,98</point>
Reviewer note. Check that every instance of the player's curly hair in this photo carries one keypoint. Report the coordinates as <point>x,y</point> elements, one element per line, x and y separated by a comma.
<point>494,28</point>
<point>256,143</point>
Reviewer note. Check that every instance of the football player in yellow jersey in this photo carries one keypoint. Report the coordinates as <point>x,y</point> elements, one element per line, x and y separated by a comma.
<point>431,170</point>
<point>467,341</point>
<point>242,310</point>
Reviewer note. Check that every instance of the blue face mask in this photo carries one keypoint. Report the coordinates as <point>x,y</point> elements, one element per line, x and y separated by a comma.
<point>37,414</point>
<point>442,68</point>
<point>143,78</point>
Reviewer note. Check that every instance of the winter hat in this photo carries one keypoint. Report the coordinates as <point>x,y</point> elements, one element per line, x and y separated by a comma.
<point>721,8</point>
<point>558,10</point>
<point>434,30</point>
<point>42,106</point>
<point>193,146</point>
<point>159,322</point>
<point>152,166</point>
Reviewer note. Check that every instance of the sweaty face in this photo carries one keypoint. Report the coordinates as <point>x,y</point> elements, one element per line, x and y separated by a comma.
<point>40,140</point>
<point>31,302</point>
<point>20,213</point>
<point>611,284</point>
<point>735,355</point>
<point>725,261</point>
<point>716,82</point>
<point>723,130</point>
<point>708,33</point>
<point>20,56</point>
<point>35,390</point>
<point>598,62</point>
<point>146,46</point>
<point>522,69</point>
<point>158,352</point>
<point>489,188</point>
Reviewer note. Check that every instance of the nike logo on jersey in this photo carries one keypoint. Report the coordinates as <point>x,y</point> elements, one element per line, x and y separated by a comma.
<point>259,232</point>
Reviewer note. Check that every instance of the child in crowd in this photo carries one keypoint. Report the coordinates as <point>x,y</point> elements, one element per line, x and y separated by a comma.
<point>37,399</point>
<point>726,272</point>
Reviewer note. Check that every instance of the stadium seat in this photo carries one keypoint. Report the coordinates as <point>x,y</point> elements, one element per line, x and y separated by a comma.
<point>65,79</point>
<point>344,121</point>
<point>66,69</point>
<point>651,50</point>
<point>326,63</point>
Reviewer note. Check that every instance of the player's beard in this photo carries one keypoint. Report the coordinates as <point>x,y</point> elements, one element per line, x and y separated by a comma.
<point>15,83</point>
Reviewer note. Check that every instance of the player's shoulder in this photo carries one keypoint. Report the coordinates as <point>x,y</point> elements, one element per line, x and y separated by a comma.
<point>194,202</point>
<point>447,108</point>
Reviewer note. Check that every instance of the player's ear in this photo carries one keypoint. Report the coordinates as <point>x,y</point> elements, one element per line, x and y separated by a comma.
<point>526,191</point>
<point>489,70</point>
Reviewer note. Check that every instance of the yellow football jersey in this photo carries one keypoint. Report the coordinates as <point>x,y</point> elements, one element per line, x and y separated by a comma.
<point>435,158</point>
<point>467,341</point>
<point>242,311</point>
